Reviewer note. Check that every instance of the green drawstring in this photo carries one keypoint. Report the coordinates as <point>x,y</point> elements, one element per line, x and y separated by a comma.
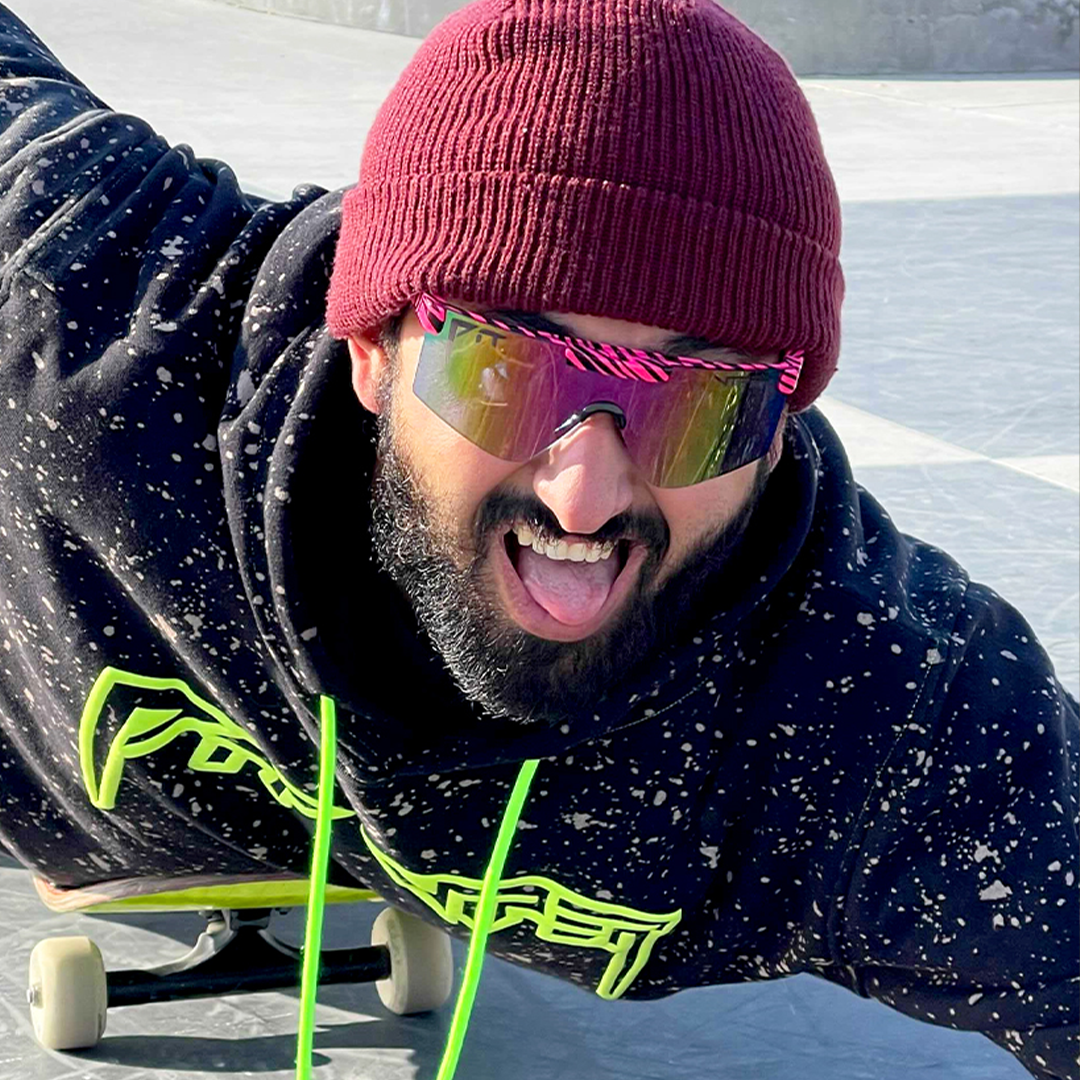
<point>320,858</point>
<point>485,914</point>
<point>485,910</point>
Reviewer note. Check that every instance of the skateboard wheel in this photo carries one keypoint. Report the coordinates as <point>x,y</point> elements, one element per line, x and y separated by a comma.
<point>67,995</point>
<point>421,964</point>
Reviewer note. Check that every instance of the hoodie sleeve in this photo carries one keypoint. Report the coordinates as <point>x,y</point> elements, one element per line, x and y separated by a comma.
<point>38,95</point>
<point>962,905</point>
<point>130,324</point>
<point>90,197</point>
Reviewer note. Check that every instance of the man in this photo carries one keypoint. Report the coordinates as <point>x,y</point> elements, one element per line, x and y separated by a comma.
<point>510,452</point>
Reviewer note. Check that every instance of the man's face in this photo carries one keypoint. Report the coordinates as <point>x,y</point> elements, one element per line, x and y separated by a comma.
<point>444,512</point>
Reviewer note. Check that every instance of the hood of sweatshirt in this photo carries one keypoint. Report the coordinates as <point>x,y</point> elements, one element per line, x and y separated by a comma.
<point>298,454</point>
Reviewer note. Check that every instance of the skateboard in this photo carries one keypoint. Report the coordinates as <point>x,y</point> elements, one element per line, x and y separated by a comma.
<point>70,991</point>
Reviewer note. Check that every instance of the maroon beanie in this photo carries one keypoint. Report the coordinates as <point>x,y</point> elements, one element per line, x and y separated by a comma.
<point>647,160</point>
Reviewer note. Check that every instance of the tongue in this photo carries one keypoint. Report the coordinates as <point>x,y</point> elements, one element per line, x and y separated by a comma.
<point>572,592</point>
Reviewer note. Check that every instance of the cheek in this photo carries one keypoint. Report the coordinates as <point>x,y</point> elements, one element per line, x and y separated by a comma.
<point>455,474</point>
<point>692,513</point>
<point>434,447</point>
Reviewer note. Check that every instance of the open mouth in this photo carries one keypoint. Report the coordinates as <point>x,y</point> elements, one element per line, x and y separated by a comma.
<point>563,599</point>
<point>513,551</point>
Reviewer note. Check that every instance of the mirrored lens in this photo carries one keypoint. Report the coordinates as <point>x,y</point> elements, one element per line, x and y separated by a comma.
<point>700,425</point>
<point>496,390</point>
<point>509,394</point>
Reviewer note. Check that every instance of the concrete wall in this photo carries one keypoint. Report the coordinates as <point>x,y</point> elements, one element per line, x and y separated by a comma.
<point>820,37</point>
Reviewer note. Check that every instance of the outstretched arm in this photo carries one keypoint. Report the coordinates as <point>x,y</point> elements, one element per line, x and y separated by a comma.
<point>37,94</point>
<point>962,906</point>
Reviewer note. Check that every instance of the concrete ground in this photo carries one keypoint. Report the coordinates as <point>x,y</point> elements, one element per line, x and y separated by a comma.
<point>957,398</point>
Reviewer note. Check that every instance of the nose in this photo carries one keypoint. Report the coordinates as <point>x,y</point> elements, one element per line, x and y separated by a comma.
<point>587,477</point>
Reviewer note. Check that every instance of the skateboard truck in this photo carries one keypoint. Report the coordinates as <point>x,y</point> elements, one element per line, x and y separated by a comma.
<point>70,992</point>
<point>237,953</point>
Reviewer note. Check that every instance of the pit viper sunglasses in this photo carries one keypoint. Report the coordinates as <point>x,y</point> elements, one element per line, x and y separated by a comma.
<point>514,392</point>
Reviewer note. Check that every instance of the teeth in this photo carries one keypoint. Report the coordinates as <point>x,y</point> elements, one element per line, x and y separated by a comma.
<point>561,550</point>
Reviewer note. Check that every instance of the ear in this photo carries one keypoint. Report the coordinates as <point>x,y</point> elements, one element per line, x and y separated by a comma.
<point>369,364</point>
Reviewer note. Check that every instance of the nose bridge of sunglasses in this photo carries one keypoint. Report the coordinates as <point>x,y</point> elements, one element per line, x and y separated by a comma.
<point>593,409</point>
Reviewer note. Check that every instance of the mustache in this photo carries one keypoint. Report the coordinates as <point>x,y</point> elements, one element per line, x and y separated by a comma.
<point>500,511</point>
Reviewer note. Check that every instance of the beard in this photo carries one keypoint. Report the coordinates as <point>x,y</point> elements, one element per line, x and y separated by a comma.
<point>506,671</point>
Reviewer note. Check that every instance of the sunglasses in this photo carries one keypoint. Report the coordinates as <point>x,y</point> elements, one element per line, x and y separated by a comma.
<point>514,392</point>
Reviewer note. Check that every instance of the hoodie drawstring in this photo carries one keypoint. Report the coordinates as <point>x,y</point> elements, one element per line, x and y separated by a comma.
<point>485,915</point>
<point>320,859</point>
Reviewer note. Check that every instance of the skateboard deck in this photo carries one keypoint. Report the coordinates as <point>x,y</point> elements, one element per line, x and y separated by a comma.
<point>196,892</point>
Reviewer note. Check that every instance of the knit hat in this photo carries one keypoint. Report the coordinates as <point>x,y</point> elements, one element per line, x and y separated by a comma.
<point>646,160</point>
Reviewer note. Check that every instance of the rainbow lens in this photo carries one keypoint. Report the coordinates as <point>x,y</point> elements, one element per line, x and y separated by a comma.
<point>702,424</point>
<point>509,393</point>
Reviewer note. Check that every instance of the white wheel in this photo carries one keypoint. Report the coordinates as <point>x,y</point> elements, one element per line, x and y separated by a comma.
<point>67,994</point>
<point>421,964</point>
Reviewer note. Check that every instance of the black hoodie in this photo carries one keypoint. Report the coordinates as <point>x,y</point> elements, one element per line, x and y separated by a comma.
<point>858,764</point>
